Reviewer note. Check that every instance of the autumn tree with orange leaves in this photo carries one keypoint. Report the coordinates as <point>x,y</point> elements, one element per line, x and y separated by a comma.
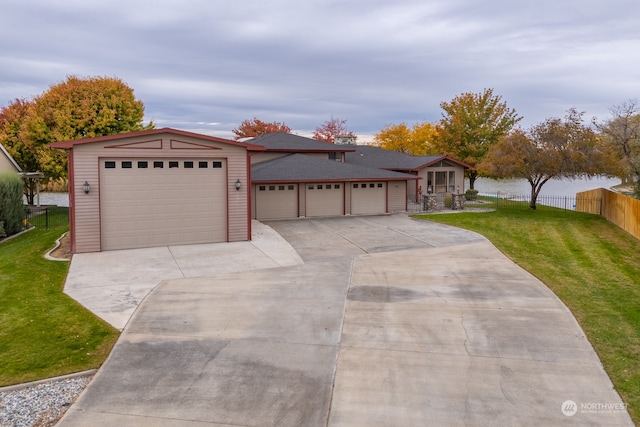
<point>333,127</point>
<point>256,127</point>
<point>74,109</point>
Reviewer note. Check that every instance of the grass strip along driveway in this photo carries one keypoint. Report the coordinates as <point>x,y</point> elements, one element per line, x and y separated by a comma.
<point>43,332</point>
<point>592,265</point>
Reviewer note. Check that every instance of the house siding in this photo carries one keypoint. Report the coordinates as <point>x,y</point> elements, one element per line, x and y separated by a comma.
<point>86,167</point>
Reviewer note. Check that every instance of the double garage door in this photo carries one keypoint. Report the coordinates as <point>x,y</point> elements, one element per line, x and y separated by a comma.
<point>160,202</point>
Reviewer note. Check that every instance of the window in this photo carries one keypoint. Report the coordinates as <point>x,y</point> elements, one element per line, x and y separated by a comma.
<point>319,186</point>
<point>333,156</point>
<point>452,181</point>
<point>203,165</point>
<point>109,165</point>
<point>272,188</point>
<point>158,165</point>
<point>328,186</point>
<point>173,165</point>
<point>310,186</point>
<point>126,165</point>
<point>379,185</point>
<point>355,185</point>
<point>336,186</point>
<point>281,187</point>
<point>291,187</point>
<point>363,185</point>
<point>217,165</point>
<point>372,185</point>
<point>188,165</point>
<point>143,165</point>
<point>262,188</point>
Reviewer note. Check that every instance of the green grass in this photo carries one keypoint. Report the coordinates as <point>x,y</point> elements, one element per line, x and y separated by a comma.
<point>44,332</point>
<point>591,265</point>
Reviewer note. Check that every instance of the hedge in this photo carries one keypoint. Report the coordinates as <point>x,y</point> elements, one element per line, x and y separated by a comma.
<point>11,205</point>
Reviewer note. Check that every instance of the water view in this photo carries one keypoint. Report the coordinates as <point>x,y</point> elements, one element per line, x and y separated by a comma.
<point>555,187</point>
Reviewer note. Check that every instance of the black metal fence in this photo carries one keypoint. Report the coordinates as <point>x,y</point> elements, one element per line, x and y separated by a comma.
<point>494,201</point>
<point>45,216</point>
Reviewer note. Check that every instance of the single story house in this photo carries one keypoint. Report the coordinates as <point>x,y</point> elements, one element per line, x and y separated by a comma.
<point>7,163</point>
<point>438,174</point>
<point>302,177</point>
<point>169,187</point>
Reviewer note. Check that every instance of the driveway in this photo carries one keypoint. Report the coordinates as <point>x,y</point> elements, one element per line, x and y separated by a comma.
<point>389,321</point>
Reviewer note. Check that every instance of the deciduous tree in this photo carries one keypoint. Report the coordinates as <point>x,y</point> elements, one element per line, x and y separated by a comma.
<point>471,124</point>
<point>621,134</point>
<point>256,127</point>
<point>333,127</point>
<point>74,109</point>
<point>416,141</point>
<point>555,148</point>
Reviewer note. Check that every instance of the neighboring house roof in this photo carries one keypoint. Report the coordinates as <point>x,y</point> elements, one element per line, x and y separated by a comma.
<point>282,141</point>
<point>5,153</point>
<point>152,132</point>
<point>304,168</point>
<point>393,160</point>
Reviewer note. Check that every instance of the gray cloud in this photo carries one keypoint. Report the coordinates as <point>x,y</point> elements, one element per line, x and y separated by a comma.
<point>207,65</point>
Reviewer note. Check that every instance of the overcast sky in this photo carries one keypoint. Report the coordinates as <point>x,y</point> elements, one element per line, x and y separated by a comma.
<point>206,65</point>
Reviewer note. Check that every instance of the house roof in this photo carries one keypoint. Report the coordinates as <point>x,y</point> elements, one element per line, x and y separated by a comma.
<point>3,151</point>
<point>152,132</point>
<point>290,143</point>
<point>304,168</point>
<point>393,160</point>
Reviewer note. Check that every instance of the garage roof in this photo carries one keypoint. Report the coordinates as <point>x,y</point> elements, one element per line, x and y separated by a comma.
<point>385,159</point>
<point>153,132</point>
<point>282,141</point>
<point>304,168</point>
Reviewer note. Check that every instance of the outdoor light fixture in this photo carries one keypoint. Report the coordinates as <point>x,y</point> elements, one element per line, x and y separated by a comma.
<point>86,187</point>
<point>238,184</point>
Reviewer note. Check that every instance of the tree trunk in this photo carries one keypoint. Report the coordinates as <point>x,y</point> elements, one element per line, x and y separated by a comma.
<point>472,179</point>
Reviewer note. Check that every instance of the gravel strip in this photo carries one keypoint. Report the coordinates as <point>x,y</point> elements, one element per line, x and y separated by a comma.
<point>41,405</point>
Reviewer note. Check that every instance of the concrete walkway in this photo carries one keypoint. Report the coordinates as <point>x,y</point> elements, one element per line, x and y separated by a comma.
<point>389,321</point>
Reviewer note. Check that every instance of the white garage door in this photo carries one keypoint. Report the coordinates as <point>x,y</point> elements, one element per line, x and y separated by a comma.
<point>276,201</point>
<point>369,198</point>
<point>326,199</point>
<point>159,202</point>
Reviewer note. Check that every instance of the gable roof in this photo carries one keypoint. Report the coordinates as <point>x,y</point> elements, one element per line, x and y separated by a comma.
<point>4,152</point>
<point>152,132</point>
<point>385,159</point>
<point>304,168</point>
<point>290,143</point>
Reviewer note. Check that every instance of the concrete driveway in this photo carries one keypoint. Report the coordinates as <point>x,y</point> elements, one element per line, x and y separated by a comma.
<point>388,322</point>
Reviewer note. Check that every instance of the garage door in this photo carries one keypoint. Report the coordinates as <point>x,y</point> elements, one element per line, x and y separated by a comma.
<point>326,199</point>
<point>369,198</point>
<point>276,201</point>
<point>159,202</point>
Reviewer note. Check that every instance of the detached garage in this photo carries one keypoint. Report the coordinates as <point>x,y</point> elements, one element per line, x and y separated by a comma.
<point>157,188</point>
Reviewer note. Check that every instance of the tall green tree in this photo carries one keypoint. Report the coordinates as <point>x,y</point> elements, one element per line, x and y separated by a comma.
<point>471,124</point>
<point>416,140</point>
<point>555,148</point>
<point>74,109</point>
<point>621,134</point>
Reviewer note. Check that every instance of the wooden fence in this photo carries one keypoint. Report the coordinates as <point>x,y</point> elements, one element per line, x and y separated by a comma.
<point>623,211</point>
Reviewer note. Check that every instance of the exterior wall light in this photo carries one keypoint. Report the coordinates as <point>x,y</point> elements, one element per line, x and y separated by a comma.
<point>86,187</point>
<point>238,184</point>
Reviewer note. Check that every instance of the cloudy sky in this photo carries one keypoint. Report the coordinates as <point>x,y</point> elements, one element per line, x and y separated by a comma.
<point>206,65</point>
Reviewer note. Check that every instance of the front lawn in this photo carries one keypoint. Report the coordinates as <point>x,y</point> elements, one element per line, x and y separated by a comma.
<point>44,333</point>
<point>592,265</point>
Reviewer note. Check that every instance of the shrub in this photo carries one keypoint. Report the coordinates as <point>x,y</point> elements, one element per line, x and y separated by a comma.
<point>2,233</point>
<point>471,194</point>
<point>11,207</point>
